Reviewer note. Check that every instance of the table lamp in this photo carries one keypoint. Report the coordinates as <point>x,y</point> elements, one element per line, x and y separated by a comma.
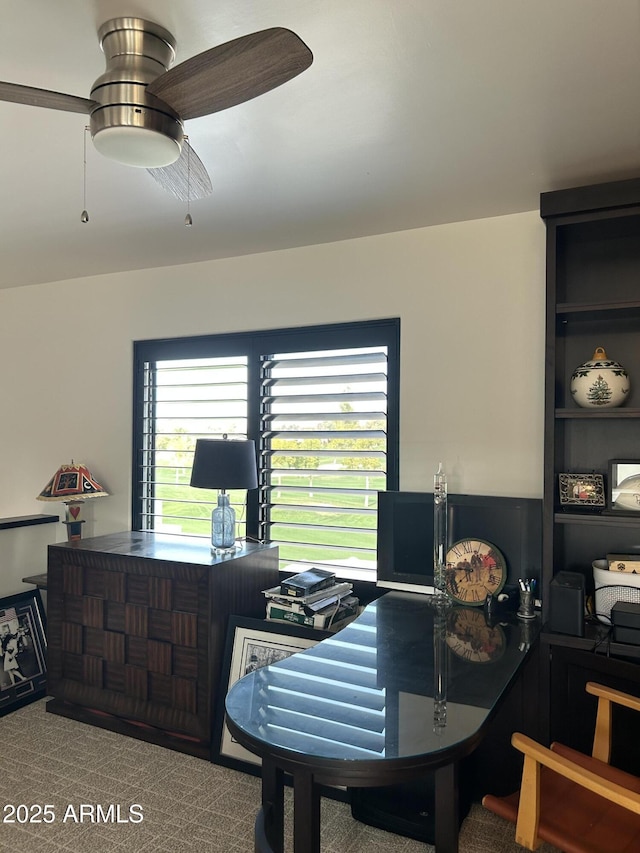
<point>72,484</point>
<point>224,464</point>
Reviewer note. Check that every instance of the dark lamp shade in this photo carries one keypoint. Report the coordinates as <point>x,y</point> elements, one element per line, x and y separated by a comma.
<point>224,464</point>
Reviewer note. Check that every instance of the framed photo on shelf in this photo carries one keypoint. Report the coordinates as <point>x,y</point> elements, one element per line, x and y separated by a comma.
<point>581,490</point>
<point>624,485</point>
<point>252,644</point>
<point>23,650</point>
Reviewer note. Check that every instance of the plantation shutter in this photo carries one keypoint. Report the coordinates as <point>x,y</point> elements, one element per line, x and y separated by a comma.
<point>185,400</point>
<point>323,454</point>
<point>321,404</point>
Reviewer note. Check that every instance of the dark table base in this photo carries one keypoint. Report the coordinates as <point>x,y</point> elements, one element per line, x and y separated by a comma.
<point>440,829</point>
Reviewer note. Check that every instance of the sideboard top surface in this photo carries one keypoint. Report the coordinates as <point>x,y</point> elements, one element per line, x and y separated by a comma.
<point>159,546</point>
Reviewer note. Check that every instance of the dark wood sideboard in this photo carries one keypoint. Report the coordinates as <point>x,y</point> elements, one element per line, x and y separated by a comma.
<point>136,631</point>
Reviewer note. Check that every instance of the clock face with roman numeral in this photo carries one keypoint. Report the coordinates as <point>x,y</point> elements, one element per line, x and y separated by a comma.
<point>475,569</point>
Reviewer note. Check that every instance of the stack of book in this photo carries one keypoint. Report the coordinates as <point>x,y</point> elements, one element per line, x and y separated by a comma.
<point>312,598</point>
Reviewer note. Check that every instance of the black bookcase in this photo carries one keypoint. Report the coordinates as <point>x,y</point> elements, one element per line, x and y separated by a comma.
<point>593,299</point>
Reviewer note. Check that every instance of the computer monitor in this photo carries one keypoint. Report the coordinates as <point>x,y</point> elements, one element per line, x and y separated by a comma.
<point>405,534</point>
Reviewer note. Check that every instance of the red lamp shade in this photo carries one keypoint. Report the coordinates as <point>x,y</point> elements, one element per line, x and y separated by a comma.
<point>72,483</point>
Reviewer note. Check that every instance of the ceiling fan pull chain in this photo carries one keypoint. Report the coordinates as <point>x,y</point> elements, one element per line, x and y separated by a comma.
<point>188,221</point>
<point>84,216</point>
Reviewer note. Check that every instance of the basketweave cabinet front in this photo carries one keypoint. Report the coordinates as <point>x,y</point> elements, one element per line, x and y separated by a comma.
<point>142,639</point>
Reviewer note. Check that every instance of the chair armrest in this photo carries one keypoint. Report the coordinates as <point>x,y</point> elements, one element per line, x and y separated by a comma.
<point>537,756</point>
<point>581,776</point>
<point>606,698</point>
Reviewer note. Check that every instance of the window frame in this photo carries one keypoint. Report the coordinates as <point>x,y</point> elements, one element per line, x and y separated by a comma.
<point>253,345</point>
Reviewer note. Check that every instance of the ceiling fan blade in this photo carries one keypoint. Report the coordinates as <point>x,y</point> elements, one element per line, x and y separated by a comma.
<point>187,178</point>
<point>18,94</point>
<point>232,73</point>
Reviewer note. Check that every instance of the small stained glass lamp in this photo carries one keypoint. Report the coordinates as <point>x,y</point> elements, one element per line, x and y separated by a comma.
<point>72,484</point>
<point>224,464</point>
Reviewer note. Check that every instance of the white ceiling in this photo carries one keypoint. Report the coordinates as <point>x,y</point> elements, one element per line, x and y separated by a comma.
<point>414,112</point>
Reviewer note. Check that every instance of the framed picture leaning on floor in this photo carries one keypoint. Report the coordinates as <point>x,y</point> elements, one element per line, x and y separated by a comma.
<point>23,650</point>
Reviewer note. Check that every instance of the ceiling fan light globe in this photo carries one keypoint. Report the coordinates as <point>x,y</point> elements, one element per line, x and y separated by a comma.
<point>137,146</point>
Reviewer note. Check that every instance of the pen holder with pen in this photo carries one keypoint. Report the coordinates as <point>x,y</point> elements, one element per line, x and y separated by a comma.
<point>527,599</point>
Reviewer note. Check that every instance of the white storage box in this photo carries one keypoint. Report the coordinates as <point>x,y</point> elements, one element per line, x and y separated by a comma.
<point>611,587</point>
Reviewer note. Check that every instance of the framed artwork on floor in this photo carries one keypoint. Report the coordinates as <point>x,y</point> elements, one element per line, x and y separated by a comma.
<point>23,650</point>
<point>252,644</point>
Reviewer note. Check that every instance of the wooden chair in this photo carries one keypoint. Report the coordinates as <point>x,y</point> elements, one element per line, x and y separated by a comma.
<point>576,802</point>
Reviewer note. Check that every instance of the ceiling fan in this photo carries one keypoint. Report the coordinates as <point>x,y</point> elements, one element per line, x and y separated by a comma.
<point>138,107</point>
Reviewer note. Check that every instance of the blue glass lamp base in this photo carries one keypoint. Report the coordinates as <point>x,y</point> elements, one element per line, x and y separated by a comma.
<point>223,527</point>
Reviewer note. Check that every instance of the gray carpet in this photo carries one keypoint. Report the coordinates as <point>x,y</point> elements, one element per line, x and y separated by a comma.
<point>187,804</point>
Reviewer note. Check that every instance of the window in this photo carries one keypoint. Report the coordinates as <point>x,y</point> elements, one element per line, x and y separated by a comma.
<point>321,404</point>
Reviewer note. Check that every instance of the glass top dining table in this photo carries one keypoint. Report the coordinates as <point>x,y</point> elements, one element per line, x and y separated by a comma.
<point>407,688</point>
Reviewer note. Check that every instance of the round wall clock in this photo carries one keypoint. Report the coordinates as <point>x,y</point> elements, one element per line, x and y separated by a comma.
<point>475,569</point>
<point>470,638</point>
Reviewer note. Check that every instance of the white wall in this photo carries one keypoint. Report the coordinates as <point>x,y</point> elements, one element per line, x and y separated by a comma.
<point>470,296</point>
